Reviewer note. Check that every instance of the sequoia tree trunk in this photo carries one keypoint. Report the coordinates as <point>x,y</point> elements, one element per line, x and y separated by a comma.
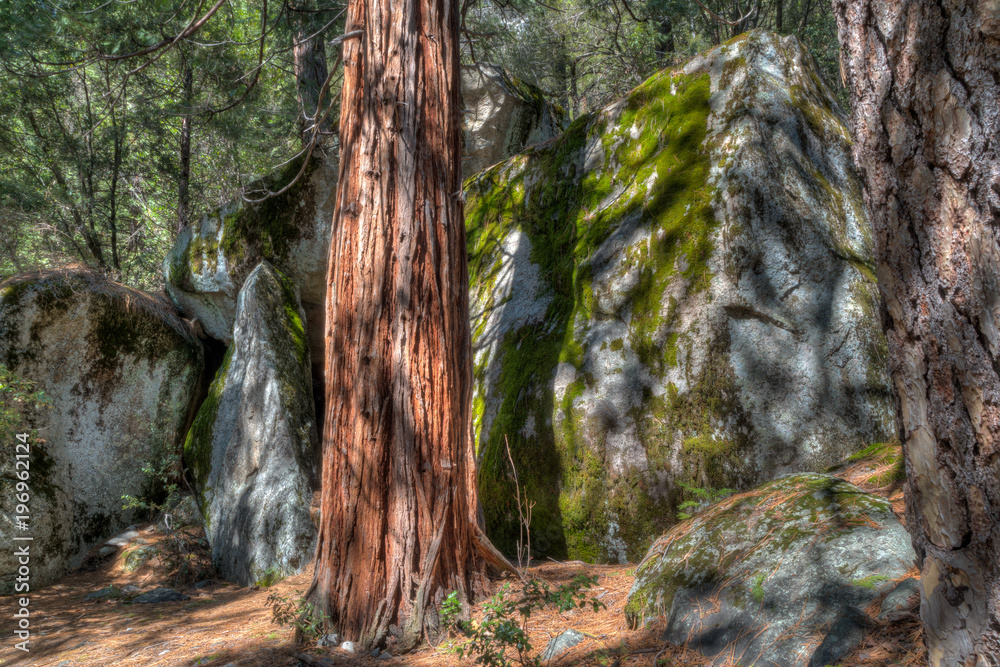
<point>924,80</point>
<point>398,530</point>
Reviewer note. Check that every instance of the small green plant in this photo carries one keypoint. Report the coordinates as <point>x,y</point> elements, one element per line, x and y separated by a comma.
<point>701,499</point>
<point>18,397</point>
<point>524,508</point>
<point>298,612</point>
<point>501,632</point>
<point>162,473</point>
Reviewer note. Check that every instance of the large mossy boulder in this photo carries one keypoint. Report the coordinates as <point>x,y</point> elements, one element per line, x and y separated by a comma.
<point>769,576</point>
<point>251,448</point>
<point>212,258</point>
<point>122,372</point>
<point>502,116</point>
<point>677,289</point>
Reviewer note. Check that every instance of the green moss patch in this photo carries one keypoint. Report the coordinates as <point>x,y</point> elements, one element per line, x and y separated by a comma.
<point>266,231</point>
<point>726,546</point>
<point>644,163</point>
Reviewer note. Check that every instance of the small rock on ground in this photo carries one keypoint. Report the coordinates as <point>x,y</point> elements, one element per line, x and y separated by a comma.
<point>901,599</point>
<point>348,646</point>
<point>161,595</point>
<point>113,591</point>
<point>844,637</point>
<point>123,538</point>
<point>329,639</point>
<point>561,644</point>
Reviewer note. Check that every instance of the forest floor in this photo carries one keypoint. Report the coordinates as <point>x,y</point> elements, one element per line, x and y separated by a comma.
<point>224,625</point>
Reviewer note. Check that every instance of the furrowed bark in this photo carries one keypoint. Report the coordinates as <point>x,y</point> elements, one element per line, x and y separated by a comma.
<point>399,501</point>
<point>925,96</point>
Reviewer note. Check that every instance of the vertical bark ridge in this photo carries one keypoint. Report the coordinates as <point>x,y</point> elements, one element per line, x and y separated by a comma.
<point>398,526</point>
<point>925,88</point>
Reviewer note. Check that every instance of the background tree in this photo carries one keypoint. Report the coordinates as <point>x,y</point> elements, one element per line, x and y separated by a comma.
<point>122,125</point>
<point>588,53</point>
<point>925,97</point>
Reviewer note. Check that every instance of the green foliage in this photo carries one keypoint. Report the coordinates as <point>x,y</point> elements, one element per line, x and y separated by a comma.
<point>90,166</point>
<point>18,398</point>
<point>297,612</point>
<point>161,474</point>
<point>757,590</point>
<point>587,53</point>
<point>504,628</point>
<point>698,499</point>
<point>870,582</point>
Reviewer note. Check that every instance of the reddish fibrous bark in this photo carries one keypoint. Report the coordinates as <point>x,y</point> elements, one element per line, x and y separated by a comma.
<point>398,529</point>
<point>925,97</point>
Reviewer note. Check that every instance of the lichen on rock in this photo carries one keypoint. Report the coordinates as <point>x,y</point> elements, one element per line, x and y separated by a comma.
<point>763,575</point>
<point>251,448</point>
<point>211,259</point>
<point>122,371</point>
<point>502,115</point>
<point>678,288</point>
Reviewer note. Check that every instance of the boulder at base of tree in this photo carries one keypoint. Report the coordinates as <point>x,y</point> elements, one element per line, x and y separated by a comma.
<point>251,447</point>
<point>502,116</point>
<point>122,371</point>
<point>763,577</point>
<point>679,289</point>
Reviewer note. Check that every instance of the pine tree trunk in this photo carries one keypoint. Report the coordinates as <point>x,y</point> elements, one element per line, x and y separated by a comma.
<point>925,97</point>
<point>399,501</point>
<point>309,56</point>
<point>184,179</point>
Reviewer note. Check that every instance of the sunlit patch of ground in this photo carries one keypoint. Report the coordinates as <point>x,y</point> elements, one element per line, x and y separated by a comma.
<point>225,624</point>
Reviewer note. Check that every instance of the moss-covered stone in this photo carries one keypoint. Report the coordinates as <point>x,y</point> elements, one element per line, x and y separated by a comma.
<point>210,260</point>
<point>122,371</point>
<point>661,295</point>
<point>251,447</point>
<point>771,569</point>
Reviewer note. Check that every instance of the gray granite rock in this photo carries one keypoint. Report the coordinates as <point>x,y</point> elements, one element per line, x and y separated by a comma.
<point>502,116</point>
<point>903,598</point>
<point>210,260</point>
<point>159,595</point>
<point>122,372</point>
<point>679,288</point>
<point>251,447</point>
<point>768,576</point>
<point>561,643</point>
